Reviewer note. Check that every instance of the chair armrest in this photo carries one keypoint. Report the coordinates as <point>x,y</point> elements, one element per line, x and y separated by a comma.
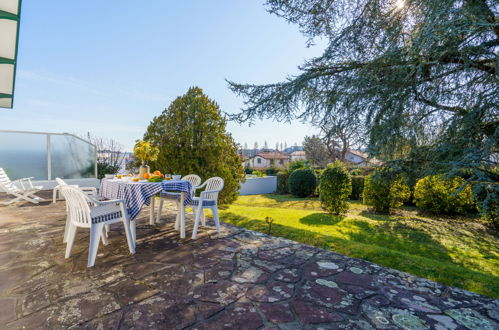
<point>114,201</point>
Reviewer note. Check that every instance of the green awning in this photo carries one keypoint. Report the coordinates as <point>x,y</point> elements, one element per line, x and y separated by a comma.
<point>10,13</point>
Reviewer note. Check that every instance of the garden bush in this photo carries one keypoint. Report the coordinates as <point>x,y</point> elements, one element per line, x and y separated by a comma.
<point>248,170</point>
<point>335,187</point>
<point>282,183</point>
<point>258,173</point>
<point>439,195</point>
<point>302,182</point>
<point>384,190</point>
<point>297,165</point>
<point>357,187</point>
<point>271,171</point>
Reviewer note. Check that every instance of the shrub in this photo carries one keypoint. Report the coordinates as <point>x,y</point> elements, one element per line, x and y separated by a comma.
<point>282,183</point>
<point>259,174</point>
<point>297,165</point>
<point>302,182</point>
<point>357,187</point>
<point>384,190</point>
<point>271,171</point>
<point>248,170</point>
<point>439,195</point>
<point>335,187</point>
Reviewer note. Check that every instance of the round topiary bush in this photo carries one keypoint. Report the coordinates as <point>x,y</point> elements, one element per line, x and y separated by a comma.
<point>335,187</point>
<point>384,190</point>
<point>439,195</point>
<point>357,187</point>
<point>302,182</point>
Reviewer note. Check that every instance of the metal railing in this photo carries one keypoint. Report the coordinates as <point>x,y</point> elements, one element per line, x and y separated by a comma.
<point>45,156</point>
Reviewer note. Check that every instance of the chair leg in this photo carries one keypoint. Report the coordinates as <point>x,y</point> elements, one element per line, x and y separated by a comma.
<point>129,235</point>
<point>214,209</point>
<point>95,234</point>
<point>70,239</point>
<point>177,217</point>
<point>103,235</point>
<point>160,207</point>
<point>66,229</point>
<point>196,221</point>
<point>203,218</point>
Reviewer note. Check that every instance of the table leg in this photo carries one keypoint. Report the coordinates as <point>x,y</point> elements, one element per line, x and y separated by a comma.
<point>182,215</point>
<point>151,212</point>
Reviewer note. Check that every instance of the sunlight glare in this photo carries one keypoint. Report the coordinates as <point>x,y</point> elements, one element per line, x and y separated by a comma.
<point>400,4</point>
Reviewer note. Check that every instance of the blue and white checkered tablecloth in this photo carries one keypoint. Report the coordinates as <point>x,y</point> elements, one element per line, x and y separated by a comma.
<point>136,194</point>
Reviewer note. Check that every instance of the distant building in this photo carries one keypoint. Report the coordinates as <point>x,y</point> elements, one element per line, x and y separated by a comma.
<point>298,155</point>
<point>268,159</point>
<point>360,158</point>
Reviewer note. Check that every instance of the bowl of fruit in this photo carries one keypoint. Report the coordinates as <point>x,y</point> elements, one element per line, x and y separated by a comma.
<point>156,176</point>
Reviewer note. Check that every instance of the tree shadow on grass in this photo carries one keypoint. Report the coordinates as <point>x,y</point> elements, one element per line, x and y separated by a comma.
<point>400,247</point>
<point>321,219</point>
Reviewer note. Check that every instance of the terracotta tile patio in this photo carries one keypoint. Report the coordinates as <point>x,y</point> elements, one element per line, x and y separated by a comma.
<point>236,280</point>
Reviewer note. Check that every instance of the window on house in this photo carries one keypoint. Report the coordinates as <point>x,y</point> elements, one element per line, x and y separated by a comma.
<point>281,161</point>
<point>271,162</point>
<point>259,160</point>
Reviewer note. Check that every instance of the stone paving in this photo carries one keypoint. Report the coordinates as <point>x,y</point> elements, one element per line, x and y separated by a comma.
<point>237,279</point>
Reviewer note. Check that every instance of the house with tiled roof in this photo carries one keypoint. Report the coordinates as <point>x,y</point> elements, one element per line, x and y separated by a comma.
<point>268,159</point>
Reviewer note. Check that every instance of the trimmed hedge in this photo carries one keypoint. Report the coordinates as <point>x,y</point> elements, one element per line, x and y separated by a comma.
<point>335,187</point>
<point>282,183</point>
<point>357,187</point>
<point>302,182</point>
<point>384,190</point>
<point>439,195</point>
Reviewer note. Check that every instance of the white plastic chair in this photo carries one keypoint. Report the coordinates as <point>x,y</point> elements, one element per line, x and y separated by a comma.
<point>195,181</point>
<point>207,200</point>
<point>85,212</point>
<point>56,193</point>
<point>91,192</point>
<point>22,189</point>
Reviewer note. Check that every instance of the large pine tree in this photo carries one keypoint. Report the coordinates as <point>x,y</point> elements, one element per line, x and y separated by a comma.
<point>420,74</point>
<point>192,138</point>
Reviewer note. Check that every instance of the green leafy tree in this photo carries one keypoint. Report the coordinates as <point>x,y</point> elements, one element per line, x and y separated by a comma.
<point>316,150</point>
<point>335,187</point>
<point>421,75</point>
<point>191,136</point>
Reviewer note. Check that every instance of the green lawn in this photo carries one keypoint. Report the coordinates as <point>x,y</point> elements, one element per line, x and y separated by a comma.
<point>458,252</point>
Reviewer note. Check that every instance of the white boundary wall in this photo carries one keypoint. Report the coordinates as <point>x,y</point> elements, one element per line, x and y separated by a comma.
<point>256,186</point>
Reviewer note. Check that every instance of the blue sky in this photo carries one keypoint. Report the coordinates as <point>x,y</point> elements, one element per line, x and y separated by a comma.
<point>108,67</point>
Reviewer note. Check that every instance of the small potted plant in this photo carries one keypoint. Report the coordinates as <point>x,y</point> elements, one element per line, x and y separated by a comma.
<point>146,152</point>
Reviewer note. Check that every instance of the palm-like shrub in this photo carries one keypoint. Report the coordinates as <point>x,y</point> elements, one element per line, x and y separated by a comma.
<point>335,187</point>
<point>302,182</point>
<point>447,196</point>
<point>384,190</point>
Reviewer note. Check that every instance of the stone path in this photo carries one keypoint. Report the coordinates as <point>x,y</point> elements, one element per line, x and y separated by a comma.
<point>238,279</point>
